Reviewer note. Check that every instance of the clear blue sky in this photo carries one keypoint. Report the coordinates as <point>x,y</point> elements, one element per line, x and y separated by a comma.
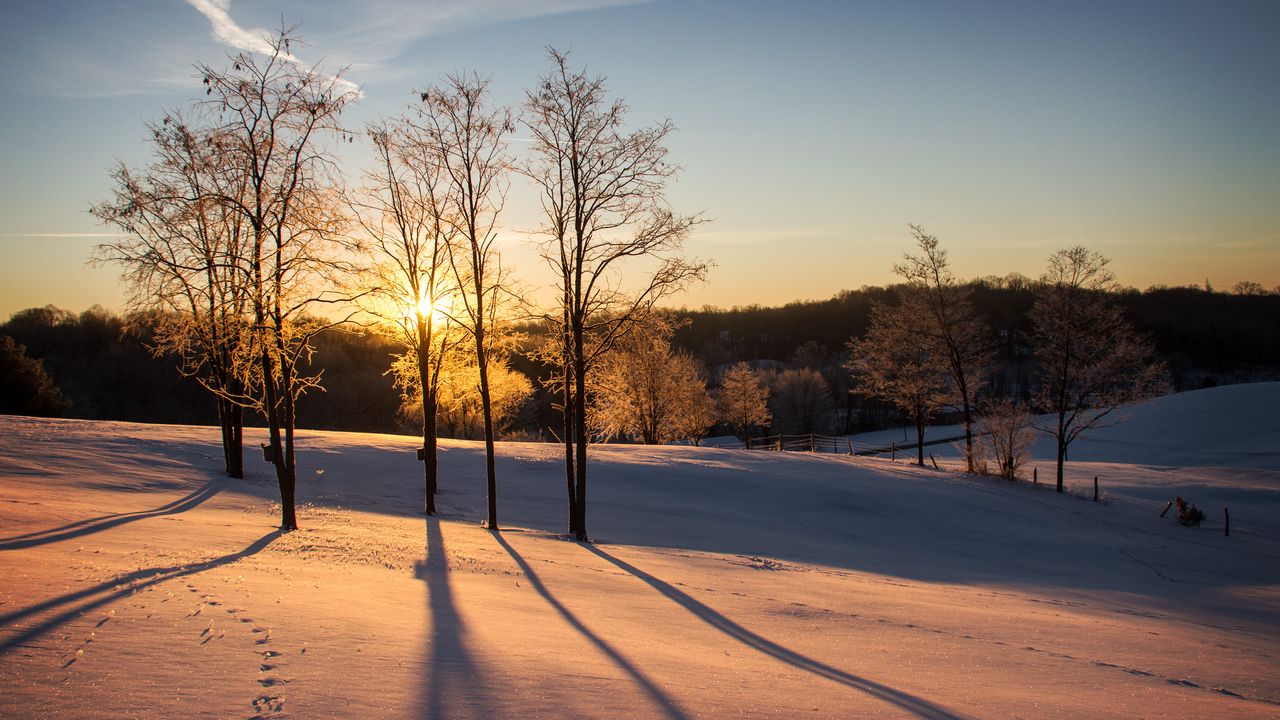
<point>812,133</point>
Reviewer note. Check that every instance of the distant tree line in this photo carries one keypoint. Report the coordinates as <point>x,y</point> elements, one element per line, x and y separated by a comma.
<point>1208,337</point>
<point>98,363</point>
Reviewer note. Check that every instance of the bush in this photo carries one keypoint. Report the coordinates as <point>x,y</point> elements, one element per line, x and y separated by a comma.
<point>1006,435</point>
<point>1188,515</point>
<point>25,387</point>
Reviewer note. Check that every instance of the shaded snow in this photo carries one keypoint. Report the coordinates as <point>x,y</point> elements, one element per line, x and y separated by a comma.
<point>723,583</point>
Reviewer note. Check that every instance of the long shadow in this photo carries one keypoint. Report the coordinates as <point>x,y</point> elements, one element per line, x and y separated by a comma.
<point>917,706</point>
<point>112,590</point>
<point>451,668</point>
<point>664,701</point>
<point>106,522</point>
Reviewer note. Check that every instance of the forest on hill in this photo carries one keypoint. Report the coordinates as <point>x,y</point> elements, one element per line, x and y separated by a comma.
<point>99,365</point>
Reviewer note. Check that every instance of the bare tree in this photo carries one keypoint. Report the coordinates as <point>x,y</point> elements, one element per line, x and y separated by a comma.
<point>180,261</point>
<point>1249,287</point>
<point>603,197</point>
<point>466,138</point>
<point>1009,432</point>
<point>800,401</point>
<point>272,116</point>
<point>644,388</point>
<point>952,324</point>
<point>744,400</point>
<point>900,364</point>
<point>402,211</point>
<point>1091,360</point>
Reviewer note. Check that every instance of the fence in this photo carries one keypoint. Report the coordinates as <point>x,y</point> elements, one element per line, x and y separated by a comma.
<point>827,444</point>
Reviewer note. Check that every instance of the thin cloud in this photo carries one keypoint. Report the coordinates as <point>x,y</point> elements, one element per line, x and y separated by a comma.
<point>230,33</point>
<point>227,31</point>
<point>383,29</point>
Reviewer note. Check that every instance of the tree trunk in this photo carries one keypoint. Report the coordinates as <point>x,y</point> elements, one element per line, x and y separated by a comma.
<point>280,453</point>
<point>1062,451</point>
<point>491,478</point>
<point>569,429</point>
<point>288,516</point>
<point>235,456</point>
<point>1062,458</point>
<point>920,439</point>
<point>430,464</point>
<point>231,423</point>
<point>580,427</point>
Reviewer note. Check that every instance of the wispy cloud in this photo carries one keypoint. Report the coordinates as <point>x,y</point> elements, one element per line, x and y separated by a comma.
<point>369,35</point>
<point>227,31</point>
<point>256,40</point>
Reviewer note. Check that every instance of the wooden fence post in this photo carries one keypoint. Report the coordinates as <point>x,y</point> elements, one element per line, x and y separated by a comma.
<point>1226,522</point>
<point>1166,508</point>
<point>893,449</point>
<point>1095,488</point>
<point>1035,476</point>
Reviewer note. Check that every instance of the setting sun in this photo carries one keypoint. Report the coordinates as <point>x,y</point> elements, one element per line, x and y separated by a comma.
<point>437,310</point>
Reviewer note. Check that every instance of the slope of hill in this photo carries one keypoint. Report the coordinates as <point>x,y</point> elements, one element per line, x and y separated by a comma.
<point>723,583</point>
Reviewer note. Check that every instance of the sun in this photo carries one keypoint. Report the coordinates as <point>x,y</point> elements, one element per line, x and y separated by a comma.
<point>437,309</point>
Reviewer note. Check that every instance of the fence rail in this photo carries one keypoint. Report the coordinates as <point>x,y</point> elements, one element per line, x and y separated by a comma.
<point>828,444</point>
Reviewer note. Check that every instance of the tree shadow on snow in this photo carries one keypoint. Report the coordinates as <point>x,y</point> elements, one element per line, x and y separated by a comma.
<point>90,526</point>
<point>455,686</point>
<point>904,701</point>
<point>668,706</point>
<point>114,589</point>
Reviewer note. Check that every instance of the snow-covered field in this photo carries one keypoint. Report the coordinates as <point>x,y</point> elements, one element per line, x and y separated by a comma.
<point>135,581</point>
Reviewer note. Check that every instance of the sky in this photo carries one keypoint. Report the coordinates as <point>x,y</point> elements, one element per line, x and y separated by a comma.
<point>809,133</point>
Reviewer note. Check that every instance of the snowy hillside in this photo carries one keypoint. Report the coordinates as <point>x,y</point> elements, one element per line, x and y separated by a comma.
<point>723,583</point>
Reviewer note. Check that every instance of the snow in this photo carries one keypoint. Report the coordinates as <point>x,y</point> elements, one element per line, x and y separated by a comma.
<point>723,583</point>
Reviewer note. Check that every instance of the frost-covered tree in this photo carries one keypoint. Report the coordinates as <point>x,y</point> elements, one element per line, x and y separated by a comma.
<point>643,388</point>
<point>743,400</point>
<point>275,119</point>
<point>1091,360</point>
<point>402,212</point>
<point>951,324</point>
<point>897,362</point>
<point>461,408</point>
<point>466,137</point>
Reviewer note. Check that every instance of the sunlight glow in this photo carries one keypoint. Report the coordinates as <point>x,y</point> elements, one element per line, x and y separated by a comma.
<point>436,309</point>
